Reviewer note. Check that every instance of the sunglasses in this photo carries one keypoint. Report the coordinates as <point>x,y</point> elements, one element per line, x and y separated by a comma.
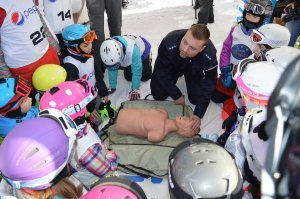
<point>21,89</point>
<point>256,9</point>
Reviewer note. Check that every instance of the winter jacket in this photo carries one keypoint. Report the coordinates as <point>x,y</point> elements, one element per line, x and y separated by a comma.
<point>170,65</point>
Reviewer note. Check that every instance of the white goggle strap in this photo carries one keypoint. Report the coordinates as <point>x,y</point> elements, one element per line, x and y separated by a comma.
<point>78,107</point>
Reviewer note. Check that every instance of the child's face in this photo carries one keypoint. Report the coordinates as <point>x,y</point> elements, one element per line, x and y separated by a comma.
<point>86,47</point>
<point>252,18</point>
<point>26,105</point>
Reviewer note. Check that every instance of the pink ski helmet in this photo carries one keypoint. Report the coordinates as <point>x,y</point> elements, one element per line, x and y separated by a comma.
<point>70,97</point>
<point>116,188</point>
<point>37,150</point>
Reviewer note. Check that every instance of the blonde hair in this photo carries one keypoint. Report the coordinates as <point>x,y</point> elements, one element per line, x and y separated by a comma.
<point>64,188</point>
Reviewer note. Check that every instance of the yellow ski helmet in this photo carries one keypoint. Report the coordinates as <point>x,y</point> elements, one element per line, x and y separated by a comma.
<point>47,76</point>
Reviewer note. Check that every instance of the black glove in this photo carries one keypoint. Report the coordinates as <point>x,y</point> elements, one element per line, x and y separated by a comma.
<point>230,121</point>
<point>260,130</point>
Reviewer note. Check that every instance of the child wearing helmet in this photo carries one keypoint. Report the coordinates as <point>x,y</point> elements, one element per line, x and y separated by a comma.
<point>90,158</point>
<point>248,142</point>
<point>199,168</point>
<point>114,188</point>
<point>131,53</point>
<point>269,36</point>
<point>23,42</point>
<point>48,141</point>
<point>46,77</point>
<point>80,64</point>
<point>238,46</point>
<point>59,14</point>
<point>15,105</point>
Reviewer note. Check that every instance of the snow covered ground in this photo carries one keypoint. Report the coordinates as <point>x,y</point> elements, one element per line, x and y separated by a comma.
<point>153,19</point>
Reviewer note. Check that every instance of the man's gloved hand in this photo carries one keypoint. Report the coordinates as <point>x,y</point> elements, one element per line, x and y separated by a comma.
<point>106,110</point>
<point>134,95</point>
<point>111,90</point>
<point>226,76</point>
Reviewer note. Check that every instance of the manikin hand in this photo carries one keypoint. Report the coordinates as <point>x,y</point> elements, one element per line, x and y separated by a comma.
<point>180,100</point>
<point>196,122</point>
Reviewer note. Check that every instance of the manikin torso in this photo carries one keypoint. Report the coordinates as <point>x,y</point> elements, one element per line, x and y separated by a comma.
<point>153,124</point>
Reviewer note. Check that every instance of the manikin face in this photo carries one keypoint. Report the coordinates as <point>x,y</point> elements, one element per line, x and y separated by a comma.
<point>184,125</point>
<point>26,105</point>
<point>86,47</point>
<point>189,46</point>
<point>252,18</point>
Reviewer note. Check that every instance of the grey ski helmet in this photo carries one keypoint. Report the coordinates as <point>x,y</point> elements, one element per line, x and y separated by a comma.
<point>199,168</point>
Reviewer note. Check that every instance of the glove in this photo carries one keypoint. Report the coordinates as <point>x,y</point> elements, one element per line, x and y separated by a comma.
<point>260,130</point>
<point>106,110</point>
<point>134,95</point>
<point>229,122</point>
<point>94,120</point>
<point>226,77</point>
<point>233,118</point>
<point>111,90</point>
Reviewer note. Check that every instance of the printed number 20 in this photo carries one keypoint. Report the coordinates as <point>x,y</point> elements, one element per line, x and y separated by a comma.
<point>66,15</point>
<point>38,36</point>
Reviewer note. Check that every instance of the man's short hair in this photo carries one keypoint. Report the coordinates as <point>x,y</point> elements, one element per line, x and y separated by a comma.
<point>200,32</point>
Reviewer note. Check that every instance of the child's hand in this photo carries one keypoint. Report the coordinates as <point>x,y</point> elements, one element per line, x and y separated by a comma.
<point>134,95</point>
<point>111,156</point>
<point>226,76</point>
<point>26,105</point>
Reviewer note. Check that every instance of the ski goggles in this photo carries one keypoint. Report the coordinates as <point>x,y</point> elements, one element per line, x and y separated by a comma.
<point>91,94</point>
<point>70,129</point>
<point>21,89</point>
<point>257,9</point>
<point>88,37</point>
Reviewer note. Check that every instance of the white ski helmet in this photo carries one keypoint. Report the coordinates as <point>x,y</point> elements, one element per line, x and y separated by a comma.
<point>273,35</point>
<point>256,80</point>
<point>199,168</point>
<point>111,52</point>
<point>282,56</point>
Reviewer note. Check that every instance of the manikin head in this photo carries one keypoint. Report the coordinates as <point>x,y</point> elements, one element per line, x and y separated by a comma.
<point>184,126</point>
<point>194,41</point>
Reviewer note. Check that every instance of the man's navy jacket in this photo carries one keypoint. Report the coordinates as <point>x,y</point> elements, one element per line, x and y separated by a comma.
<point>169,66</point>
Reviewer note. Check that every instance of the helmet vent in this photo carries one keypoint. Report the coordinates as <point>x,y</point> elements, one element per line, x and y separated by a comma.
<point>197,151</point>
<point>199,162</point>
<point>212,161</point>
<point>32,153</point>
<point>39,164</point>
